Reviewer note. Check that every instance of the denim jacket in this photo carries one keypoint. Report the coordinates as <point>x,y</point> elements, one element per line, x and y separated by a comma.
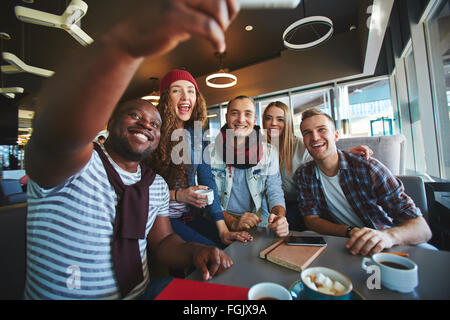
<point>264,180</point>
<point>203,171</point>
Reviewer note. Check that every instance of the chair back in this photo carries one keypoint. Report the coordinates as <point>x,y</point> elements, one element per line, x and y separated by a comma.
<point>10,186</point>
<point>389,150</point>
<point>415,188</point>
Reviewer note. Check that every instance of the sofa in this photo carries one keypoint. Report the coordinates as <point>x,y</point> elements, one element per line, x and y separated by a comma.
<point>390,150</point>
<point>11,192</point>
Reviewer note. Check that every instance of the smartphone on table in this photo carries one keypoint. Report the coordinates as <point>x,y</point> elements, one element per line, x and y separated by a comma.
<point>305,241</point>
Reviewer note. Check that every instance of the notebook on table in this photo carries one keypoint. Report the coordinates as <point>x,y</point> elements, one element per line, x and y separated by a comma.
<point>296,258</point>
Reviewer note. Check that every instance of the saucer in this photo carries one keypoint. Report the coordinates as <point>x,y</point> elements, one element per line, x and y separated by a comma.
<point>297,290</point>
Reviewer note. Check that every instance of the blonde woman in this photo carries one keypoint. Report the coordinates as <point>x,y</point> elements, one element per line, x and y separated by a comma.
<point>277,120</point>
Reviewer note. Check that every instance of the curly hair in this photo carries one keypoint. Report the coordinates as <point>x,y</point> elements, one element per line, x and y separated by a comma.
<point>160,160</point>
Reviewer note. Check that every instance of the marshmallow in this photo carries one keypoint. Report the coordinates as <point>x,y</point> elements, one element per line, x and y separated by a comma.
<point>328,283</point>
<point>310,283</point>
<point>320,279</point>
<point>339,286</point>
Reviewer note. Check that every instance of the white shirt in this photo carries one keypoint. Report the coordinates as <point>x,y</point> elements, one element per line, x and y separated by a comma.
<point>336,200</point>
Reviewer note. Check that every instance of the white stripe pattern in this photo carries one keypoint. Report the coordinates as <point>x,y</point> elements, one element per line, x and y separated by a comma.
<point>69,234</point>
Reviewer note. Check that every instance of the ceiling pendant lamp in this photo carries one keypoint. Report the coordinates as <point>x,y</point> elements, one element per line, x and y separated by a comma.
<point>311,22</point>
<point>68,21</point>
<point>154,96</point>
<point>221,79</point>
<point>17,66</point>
<point>11,91</point>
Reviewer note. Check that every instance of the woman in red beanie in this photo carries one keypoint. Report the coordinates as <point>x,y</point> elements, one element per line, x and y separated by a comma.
<point>181,105</point>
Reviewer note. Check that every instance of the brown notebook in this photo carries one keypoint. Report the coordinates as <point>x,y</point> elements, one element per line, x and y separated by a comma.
<point>293,257</point>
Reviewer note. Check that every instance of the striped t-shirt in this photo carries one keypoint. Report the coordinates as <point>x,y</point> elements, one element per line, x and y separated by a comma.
<point>69,234</point>
<point>177,209</point>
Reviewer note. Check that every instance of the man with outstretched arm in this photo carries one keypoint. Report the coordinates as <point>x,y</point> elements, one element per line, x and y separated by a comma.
<point>93,210</point>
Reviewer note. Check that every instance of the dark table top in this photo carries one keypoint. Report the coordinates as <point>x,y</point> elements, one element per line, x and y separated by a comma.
<point>248,269</point>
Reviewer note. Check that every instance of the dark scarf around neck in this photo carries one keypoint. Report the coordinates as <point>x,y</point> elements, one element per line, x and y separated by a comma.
<point>129,225</point>
<point>244,156</point>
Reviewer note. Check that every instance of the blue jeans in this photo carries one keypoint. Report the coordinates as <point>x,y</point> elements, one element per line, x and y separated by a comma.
<point>200,230</point>
<point>294,217</point>
<point>155,287</point>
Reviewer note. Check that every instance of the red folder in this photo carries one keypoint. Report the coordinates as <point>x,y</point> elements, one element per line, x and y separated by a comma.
<point>181,289</point>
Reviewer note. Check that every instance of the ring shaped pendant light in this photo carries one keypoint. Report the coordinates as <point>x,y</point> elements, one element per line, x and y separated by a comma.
<point>304,22</point>
<point>221,75</point>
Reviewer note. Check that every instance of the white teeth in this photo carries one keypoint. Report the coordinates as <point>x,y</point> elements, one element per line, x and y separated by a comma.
<point>184,108</point>
<point>318,145</point>
<point>141,136</point>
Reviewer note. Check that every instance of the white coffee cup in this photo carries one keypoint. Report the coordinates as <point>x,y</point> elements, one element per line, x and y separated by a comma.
<point>393,277</point>
<point>268,291</point>
<point>209,193</point>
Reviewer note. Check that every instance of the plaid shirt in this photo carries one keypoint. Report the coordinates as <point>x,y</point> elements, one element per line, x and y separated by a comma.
<point>375,194</point>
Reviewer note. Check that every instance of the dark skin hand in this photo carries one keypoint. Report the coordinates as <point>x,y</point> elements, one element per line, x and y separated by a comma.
<point>171,250</point>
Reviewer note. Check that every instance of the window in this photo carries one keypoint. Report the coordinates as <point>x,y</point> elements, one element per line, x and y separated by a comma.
<point>309,99</point>
<point>214,123</point>
<point>438,43</point>
<point>365,109</point>
<point>414,112</point>
<point>265,102</point>
<point>11,157</point>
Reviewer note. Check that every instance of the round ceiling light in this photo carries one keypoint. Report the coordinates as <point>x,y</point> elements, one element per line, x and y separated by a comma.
<point>305,22</point>
<point>150,97</point>
<point>223,76</point>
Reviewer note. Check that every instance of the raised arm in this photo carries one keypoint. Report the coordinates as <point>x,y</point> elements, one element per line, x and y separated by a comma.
<point>76,103</point>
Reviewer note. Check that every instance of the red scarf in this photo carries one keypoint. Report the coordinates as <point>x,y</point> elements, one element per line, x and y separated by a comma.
<point>243,156</point>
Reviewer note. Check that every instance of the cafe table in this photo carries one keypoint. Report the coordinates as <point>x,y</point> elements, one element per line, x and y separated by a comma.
<point>248,269</point>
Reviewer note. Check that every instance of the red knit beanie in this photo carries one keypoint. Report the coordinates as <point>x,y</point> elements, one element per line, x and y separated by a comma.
<point>173,76</point>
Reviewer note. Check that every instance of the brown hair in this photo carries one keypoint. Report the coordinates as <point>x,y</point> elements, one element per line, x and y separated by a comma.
<point>311,112</point>
<point>160,160</point>
<point>286,150</point>
<point>241,98</point>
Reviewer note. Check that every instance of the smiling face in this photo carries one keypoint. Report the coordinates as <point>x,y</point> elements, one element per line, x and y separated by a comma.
<point>182,97</point>
<point>134,130</point>
<point>241,116</point>
<point>319,136</point>
<point>274,121</point>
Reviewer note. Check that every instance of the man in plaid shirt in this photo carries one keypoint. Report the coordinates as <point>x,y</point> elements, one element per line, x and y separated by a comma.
<point>342,194</point>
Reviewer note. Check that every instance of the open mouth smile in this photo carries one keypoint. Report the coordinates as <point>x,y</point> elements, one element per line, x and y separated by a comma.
<point>141,135</point>
<point>184,108</point>
<point>317,146</point>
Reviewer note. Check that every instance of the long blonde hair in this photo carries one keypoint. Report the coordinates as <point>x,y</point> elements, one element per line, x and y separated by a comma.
<point>287,138</point>
<point>160,160</point>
